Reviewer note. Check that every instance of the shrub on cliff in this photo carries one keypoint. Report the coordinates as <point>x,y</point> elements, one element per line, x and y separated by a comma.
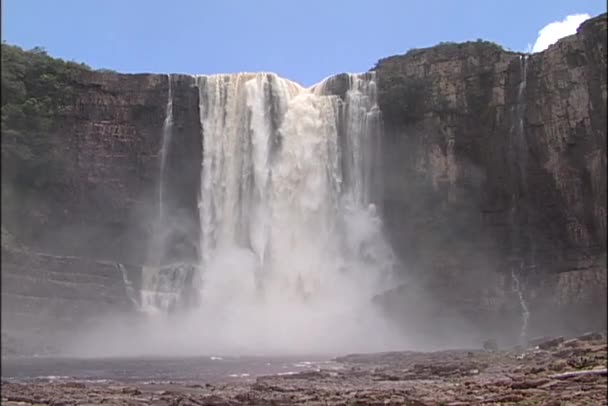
<point>35,89</point>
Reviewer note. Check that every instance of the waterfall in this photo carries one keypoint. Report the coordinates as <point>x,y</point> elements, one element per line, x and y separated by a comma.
<point>163,287</point>
<point>519,152</point>
<point>130,291</point>
<point>288,211</point>
<point>291,242</point>
<point>525,313</point>
<point>363,127</point>
<point>520,112</point>
<point>166,142</point>
<point>272,176</point>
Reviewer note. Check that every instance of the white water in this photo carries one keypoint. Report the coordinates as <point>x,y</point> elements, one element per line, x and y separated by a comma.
<point>163,287</point>
<point>292,246</point>
<point>521,109</point>
<point>292,249</point>
<point>167,131</point>
<point>525,313</point>
<point>363,130</point>
<point>519,149</point>
<point>162,284</point>
<point>131,294</point>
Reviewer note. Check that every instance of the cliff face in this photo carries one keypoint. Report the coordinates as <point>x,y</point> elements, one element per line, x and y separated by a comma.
<point>107,145</point>
<point>495,179</point>
<point>101,209</point>
<point>494,187</point>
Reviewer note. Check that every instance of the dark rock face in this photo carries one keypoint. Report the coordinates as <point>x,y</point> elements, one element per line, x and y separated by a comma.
<point>104,207</point>
<point>108,146</point>
<point>44,296</point>
<point>494,179</point>
<point>182,173</point>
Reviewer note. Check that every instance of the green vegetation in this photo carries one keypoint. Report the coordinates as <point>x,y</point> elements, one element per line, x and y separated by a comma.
<point>403,98</point>
<point>479,41</point>
<point>491,44</point>
<point>35,89</point>
<point>104,70</point>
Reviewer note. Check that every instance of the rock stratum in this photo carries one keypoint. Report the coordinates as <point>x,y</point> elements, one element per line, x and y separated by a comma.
<point>493,188</point>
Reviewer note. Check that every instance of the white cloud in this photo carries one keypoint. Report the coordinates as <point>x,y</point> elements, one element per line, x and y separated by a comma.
<point>552,32</point>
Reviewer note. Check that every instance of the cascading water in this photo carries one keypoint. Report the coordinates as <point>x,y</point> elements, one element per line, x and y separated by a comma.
<point>291,241</point>
<point>519,150</point>
<point>525,313</point>
<point>162,287</point>
<point>291,244</point>
<point>166,142</point>
<point>128,285</point>
<point>163,284</point>
<point>520,111</point>
<point>363,125</point>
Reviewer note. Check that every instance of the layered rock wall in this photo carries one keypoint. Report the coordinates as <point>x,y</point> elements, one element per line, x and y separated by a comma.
<point>495,178</point>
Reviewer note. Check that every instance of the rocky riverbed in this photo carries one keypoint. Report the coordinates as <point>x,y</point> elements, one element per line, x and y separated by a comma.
<point>552,371</point>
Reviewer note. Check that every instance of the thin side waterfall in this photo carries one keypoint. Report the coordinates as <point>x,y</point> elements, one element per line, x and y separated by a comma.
<point>525,313</point>
<point>519,151</point>
<point>163,285</point>
<point>131,294</point>
<point>164,150</point>
<point>520,113</point>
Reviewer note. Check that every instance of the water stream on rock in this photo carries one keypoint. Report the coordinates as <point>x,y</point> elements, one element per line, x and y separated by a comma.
<point>519,148</point>
<point>163,284</point>
<point>163,287</point>
<point>525,313</point>
<point>131,294</point>
<point>164,150</point>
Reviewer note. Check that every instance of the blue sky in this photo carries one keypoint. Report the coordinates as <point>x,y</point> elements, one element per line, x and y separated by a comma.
<point>303,40</point>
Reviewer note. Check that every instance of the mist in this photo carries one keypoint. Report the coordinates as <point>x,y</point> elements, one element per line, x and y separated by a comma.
<point>240,311</point>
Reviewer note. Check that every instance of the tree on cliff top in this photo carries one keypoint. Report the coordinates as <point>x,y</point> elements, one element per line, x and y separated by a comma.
<point>35,88</point>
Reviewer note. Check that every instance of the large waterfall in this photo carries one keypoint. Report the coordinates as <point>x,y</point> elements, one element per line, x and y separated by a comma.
<point>291,242</point>
<point>278,184</point>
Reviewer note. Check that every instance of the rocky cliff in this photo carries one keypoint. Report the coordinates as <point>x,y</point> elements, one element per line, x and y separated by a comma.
<point>494,186</point>
<point>495,179</point>
<point>65,238</point>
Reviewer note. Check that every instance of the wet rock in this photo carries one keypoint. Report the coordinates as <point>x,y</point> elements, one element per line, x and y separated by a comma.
<point>534,341</point>
<point>591,337</point>
<point>131,391</point>
<point>535,383</point>
<point>573,342</point>
<point>551,343</point>
<point>408,378</point>
<point>490,345</point>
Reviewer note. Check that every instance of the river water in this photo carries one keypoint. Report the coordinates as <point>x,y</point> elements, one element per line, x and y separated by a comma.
<point>156,370</point>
